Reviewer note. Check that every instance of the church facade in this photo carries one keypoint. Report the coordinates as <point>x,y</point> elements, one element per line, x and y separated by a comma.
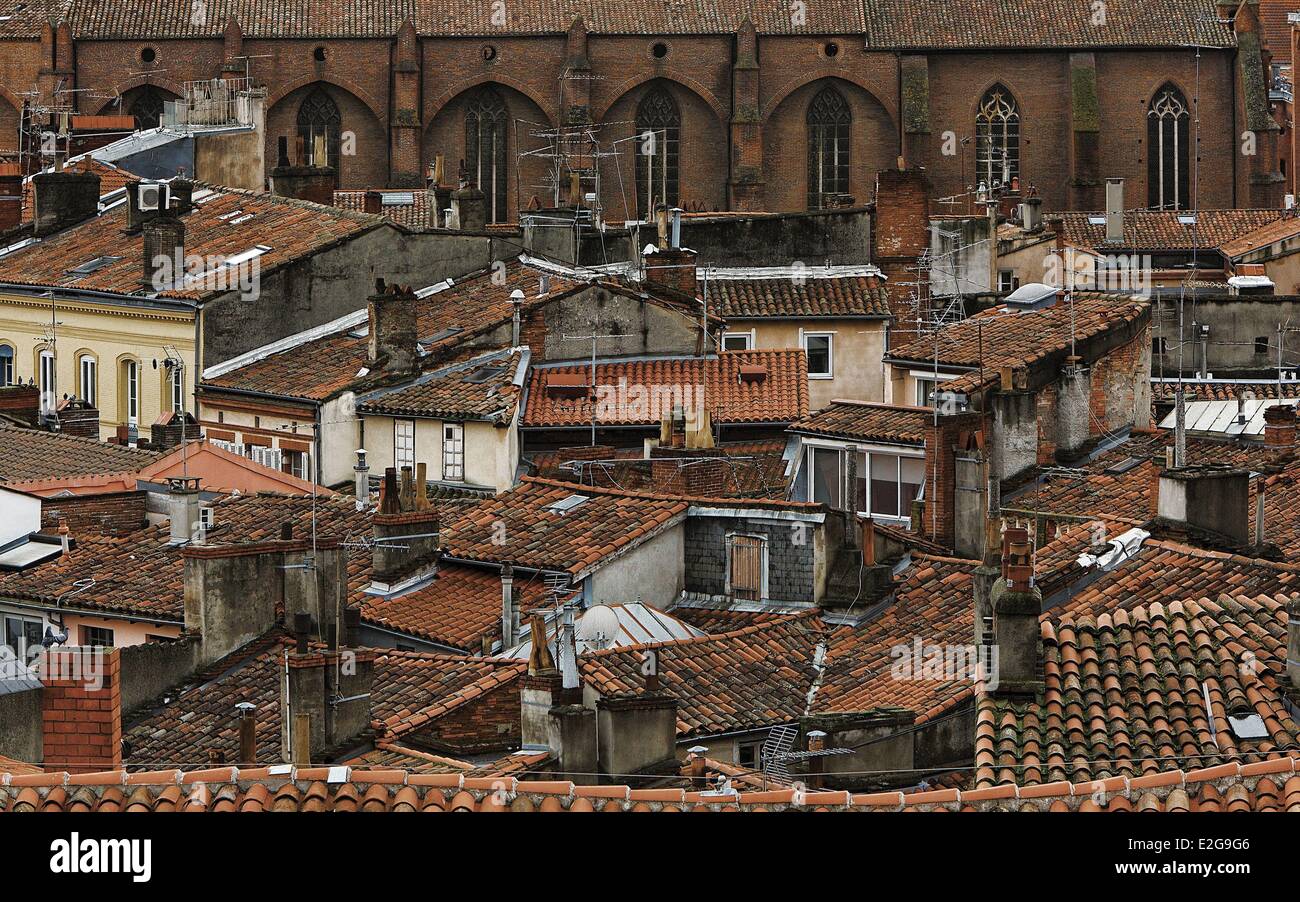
<point>774,105</point>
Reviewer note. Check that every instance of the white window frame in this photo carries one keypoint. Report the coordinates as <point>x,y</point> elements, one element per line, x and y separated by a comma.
<point>47,378</point>
<point>748,337</point>
<point>7,368</point>
<point>176,388</point>
<point>1007,280</point>
<point>764,565</point>
<point>88,379</point>
<point>923,397</point>
<point>453,452</point>
<point>403,444</point>
<point>131,373</point>
<point>830,353</point>
<point>848,492</point>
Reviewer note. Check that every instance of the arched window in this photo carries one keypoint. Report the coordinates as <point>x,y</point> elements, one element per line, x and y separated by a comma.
<point>147,108</point>
<point>47,372</point>
<point>1168,151</point>
<point>6,365</point>
<point>88,379</point>
<point>829,119</point>
<point>318,117</point>
<point>997,138</point>
<point>485,149</point>
<point>129,392</point>
<point>659,130</point>
<point>176,389</point>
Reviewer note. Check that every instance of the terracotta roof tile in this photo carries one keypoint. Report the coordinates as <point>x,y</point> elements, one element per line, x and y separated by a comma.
<point>642,392</point>
<point>813,295</point>
<point>869,422</point>
<point>27,455</point>
<point>414,215</point>
<point>1162,230</point>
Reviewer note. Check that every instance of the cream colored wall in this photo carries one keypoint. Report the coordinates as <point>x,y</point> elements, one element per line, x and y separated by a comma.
<point>111,334</point>
<point>489,450</point>
<point>857,349</point>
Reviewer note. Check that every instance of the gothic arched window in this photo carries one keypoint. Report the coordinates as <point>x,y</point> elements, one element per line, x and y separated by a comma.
<point>319,117</point>
<point>485,149</point>
<point>829,119</point>
<point>1169,150</point>
<point>997,138</point>
<point>659,131</point>
<point>147,108</point>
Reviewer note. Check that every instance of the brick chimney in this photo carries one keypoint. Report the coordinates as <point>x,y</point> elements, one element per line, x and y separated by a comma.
<point>901,220</point>
<point>1279,426</point>
<point>393,335</point>
<point>63,199</point>
<point>325,697</point>
<point>232,593</point>
<point>373,203</point>
<point>81,703</point>
<point>553,717</point>
<point>671,267</point>
<point>78,417</point>
<point>11,197</point>
<point>300,180</point>
<point>1210,497</point>
<point>164,253</point>
<point>1017,605</point>
<point>405,543</point>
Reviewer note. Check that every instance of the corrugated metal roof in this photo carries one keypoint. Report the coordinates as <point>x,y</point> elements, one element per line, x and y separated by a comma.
<point>1224,417</point>
<point>637,624</point>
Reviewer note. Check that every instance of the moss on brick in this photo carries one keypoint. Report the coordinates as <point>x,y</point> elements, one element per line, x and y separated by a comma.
<point>916,97</point>
<point>1085,108</point>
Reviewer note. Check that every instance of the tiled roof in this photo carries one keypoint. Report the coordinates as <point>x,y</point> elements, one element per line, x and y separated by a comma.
<point>382,18</point>
<point>111,178</point>
<point>140,574</point>
<point>1278,230</point>
<point>26,18</point>
<point>291,229</point>
<point>869,422</point>
<point>481,388</point>
<point>780,397</point>
<point>1274,27</point>
<point>1222,390</point>
<point>318,368</point>
<point>455,610</point>
<point>731,469</point>
<point>1142,690</point>
<point>1043,23</point>
<point>189,722</point>
<point>413,215</point>
<point>390,754</point>
<point>570,541</point>
<point>1008,338</point>
<point>809,295</point>
<point>1161,230</point>
<point>757,676</point>
<point>27,455</point>
<point>933,605</point>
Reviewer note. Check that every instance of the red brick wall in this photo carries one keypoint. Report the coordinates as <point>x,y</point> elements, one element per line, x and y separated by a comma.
<point>112,513</point>
<point>82,722</point>
<point>491,721</point>
<point>1116,380</point>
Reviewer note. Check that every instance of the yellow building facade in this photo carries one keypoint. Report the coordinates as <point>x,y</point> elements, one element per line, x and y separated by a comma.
<point>111,352</point>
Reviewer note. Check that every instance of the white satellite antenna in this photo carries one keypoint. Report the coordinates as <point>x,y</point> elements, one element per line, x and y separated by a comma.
<point>598,627</point>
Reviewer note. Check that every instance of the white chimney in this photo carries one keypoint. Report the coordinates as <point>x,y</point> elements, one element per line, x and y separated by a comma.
<point>1114,211</point>
<point>362,485</point>
<point>516,305</point>
<point>567,650</point>
<point>183,510</point>
<point>508,614</point>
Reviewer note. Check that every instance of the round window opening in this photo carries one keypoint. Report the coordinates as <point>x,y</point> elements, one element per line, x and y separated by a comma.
<point>832,49</point>
<point>148,55</point>
<point>659,50</point>
<point>489,53</point>
<point>318,54</point>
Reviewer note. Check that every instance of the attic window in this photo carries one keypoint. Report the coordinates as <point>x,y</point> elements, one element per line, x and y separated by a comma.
<point>1189,219</point>
<point>484,374</point>
<point>399,199</point>
<point>1248,726</point>
<point>1123,466</point>
<point>91,265</point>
<point>1096,220</point>
<point>564,505</point>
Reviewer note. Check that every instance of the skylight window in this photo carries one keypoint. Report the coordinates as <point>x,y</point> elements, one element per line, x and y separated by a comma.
<point>242,219</point>
<point>255,251</point>
<point>1096,220</point>
<point>92,265</point>
<point>564,505</point>
<point>226,217</point>
<point>1248,726</point>
<point>399,199</point>
<point>484,374</point>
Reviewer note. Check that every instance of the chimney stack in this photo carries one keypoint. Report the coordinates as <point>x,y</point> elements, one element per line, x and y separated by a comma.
<point>509,607</point>
<point>406,544</point>
<point>11,197</point>
<point>469,207</point>
<point>247,734</point>
<point>374,203</point>
<point>1114,211</point>
<point>1017,605</point>
<point>393,338</point>
<point>1031,214</point>
<point>1280,426</point>
<point>672,268</point>
<point>362,484</point>
<point>81,709</point>
<point>183,509</point>
<point>164,253</point>
<point>1209,497</point>
<point>299,179</point>
<point>63,199</point>
<point>516,310</point>
<point>324,705</point>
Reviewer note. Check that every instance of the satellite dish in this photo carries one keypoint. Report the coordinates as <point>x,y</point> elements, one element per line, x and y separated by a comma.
<point>598,627</point>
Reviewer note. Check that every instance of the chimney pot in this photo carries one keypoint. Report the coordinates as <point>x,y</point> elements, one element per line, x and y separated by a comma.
<point>1114,211</point>
<point>302,631</point>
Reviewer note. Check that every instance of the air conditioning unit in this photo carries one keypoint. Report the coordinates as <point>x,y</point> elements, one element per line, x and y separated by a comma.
<point>153,196</point>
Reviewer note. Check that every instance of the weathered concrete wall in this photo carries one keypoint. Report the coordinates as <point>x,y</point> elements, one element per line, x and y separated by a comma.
<point>962,256</point>
<point>1015,432</point>
<point>636,733</point>
<point>21,725</point>
<point>840,236</point>
<point>1236,323</point>
<point>879,740</point>
<point>970,502</point>
<point>651,572</point>
<point>231,599</point>
<point>151,668</point>
<point>645,328</point>
<point>945,740</point>
<point>339,280</point>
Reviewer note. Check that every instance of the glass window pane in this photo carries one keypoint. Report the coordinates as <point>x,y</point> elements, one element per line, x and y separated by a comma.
<point>819,354</point>
<point>912,478</point>
<point>826,476</point>
<point>860,484</point>
<point>884,484</point>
